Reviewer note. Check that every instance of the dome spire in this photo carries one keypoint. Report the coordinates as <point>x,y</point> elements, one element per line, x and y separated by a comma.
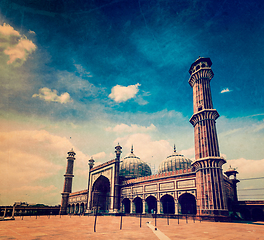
<point>174,148</point>
<point>132,148</point>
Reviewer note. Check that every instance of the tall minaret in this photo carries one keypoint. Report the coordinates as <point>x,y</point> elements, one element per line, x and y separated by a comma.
<point>67,182</point>
<point>118,152</point>
<point>208,163</point>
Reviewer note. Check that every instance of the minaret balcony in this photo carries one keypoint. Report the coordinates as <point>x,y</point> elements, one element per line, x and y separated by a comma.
<point>205,114</point>
<point>66,175</point>
<point>205,73</point>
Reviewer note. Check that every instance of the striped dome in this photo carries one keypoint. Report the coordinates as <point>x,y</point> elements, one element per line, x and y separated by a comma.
<point>174,162</point>
<point>133,167</point>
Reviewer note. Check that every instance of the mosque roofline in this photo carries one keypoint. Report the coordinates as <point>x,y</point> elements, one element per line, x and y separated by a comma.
<point>103,165</point>
<point>181,172</point>
<point>78,193</point>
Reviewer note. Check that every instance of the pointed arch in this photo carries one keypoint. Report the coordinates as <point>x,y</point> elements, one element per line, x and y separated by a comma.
<point>138,205</point>
<point>72,208</point>
<point>151,204</point>
<point>187,204</point>
<point>100,193</point>
<point>76,211</point>
<point>126,205</point>
<point>168,204</point>
<point>81,208</point>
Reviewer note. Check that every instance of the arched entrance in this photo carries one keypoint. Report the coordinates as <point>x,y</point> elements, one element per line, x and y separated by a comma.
<point>151,204</point>
<point>126,205</point>
<point>245,214</point>
<point>229,204</point>
<point>168,205</point>
<point>72,208</point>
<point>100,194</point>
<point>257,214</point>
<point>138,205</point>
<point>77,208</point>
<point>81,208</point>
<point>187,204</point>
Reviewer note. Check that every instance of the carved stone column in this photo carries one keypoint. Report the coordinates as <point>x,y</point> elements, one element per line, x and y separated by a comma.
<point>144,206</point>
<point>176,206</point>
<point>158,207</point>
<point>131,206</point>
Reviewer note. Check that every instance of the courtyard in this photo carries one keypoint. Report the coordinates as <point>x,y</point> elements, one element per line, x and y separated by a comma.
<point>108,227</point>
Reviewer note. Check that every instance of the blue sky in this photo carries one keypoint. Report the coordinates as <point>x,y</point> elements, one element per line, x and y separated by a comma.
<point>90,74</point>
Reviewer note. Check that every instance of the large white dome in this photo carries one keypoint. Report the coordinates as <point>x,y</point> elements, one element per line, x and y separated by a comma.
<point>174,162</point>
<point>133,167</point>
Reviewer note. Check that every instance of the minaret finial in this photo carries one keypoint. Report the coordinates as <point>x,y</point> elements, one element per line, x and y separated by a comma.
<point>132,149</point>
<point>174,148</point>
<point>118,151</point>
<point>91,163</point>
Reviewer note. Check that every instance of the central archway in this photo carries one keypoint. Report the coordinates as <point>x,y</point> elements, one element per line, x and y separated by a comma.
<point>151,204</point>
<point>100,194</point>
<point>187,204</point>
<point>168,205</point>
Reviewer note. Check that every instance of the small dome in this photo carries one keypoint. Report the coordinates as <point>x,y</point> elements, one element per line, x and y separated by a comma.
<point>133,167</point>
<point>174,162</point>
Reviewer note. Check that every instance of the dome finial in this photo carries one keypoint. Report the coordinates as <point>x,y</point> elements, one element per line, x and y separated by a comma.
<point>132,148</point>
<point>174,148</point>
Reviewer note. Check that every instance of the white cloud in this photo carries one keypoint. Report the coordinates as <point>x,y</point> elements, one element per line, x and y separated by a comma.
<point>31,194</point>
<point>7,30</point>
<point>230,132</point>
<point>225,90</point>
<point>99,155</point>
<point>24,140</point>
<point>52,96</point>
<point>250,173</point>
<point>258,127</point>
<point>120,128</point>
<point>17,47</point>
<point>247,168</point>
<point>241,137</point>
<point>37,188</point>
<point>189,153</point>
<point>122,94</point>
<point>82,71</point>
<point>20,51</point>
<point>24,167</point>
<point>73,125</point>
<point>79,85</point>
<point>31,160</point>
<point>31,32</point>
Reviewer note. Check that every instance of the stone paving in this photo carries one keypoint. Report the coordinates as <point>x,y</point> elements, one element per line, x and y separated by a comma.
<point>108,227</point>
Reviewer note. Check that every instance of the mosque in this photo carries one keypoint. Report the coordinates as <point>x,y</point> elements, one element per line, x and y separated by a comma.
<point>181,186</point>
